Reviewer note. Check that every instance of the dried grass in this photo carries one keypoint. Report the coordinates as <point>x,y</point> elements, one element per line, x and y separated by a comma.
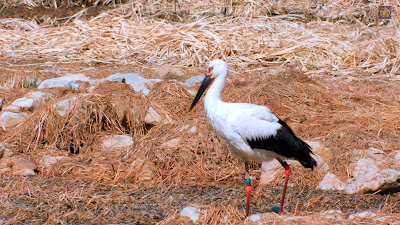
<point>134,34</point>
<point>111,107</point>
<point>332,81</point>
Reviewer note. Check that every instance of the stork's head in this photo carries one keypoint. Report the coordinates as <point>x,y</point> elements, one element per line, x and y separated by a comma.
<point>216,68</point>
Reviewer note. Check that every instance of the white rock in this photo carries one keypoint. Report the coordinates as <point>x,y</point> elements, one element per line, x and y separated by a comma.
<point>367,177</point>
<point>192,92</point>
<point>25,172</point>
<point>67,81</point>
<point>1,103</point>
<point>365,166</point>
<point>255,218</point>
<point>152,117</point>
<point>318,149</point>
<point>378,156</point>
<point>55,83</point>
<point>48,160</point>
<point>362,215</point>
<point>168,71</point>
<point>5,152</point>
<point>64,106</point>
<point>39,97</point>
<point>22,163</point>
<point>193,81</point>
<point>270,171</point>
<point>117,141</point>
<point>331,182</point>
<point>321,164</point>
<point>333,214</point>
<point>139,83</point>
<point>23,103</point>
<point>396,160</point>
<point>173,143</point>
<point>8,119</point>
<point>192,130</point>
<point>191,212</point>
<point>23,167</point>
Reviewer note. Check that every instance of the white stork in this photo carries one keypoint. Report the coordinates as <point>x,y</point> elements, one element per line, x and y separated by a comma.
<point>252,131</point>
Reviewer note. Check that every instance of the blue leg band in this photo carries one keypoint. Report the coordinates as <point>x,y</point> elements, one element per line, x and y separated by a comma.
<point>248,181</point>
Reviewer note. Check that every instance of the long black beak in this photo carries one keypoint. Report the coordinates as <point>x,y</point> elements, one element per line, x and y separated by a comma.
<point>207,81</point>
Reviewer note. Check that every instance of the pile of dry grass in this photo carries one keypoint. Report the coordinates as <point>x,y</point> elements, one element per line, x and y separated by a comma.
<point>111,108</point>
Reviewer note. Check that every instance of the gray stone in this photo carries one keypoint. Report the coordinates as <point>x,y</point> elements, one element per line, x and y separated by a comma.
<point>319,149</point>
<point>153,118</point>
<point>117,141</point>
<point>20,104</point>
<point>5,152</point>
<point>68,81</point>
<point>39,97</point>
<point>47,160</point>
<point>192,92</point>
<point>270,171</point>
<point>8,119</point>
<point>321,164</point>
<point>331,182</point>
<point>377,155</point>
<point>32,82</point>
<point>191,212</point>
<point>333,214</point>
<point>168,71</point>
<point>364,214</point>
<point>173,143</point>
<point>25,172</point>
<point>367,177</point>
<point>65,106</point>
<point>29,102</point>
<point>396,160</point>
<point>255,217</point>
<point>139,83</point>
<point>193,81</point>
<point>22,163</point>
<point>56,83</point>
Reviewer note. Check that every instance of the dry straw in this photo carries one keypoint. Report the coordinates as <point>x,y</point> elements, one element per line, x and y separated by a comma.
<point>322,82</point>
<point>331,37</point>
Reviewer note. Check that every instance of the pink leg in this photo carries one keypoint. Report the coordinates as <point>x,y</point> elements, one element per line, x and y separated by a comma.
<point>288,171</point>
<point>248,188</point>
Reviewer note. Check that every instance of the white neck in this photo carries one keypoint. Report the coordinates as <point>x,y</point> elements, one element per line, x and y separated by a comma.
<point>213,96</point>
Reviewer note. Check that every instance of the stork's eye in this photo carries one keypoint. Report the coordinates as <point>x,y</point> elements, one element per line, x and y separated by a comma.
<point>210,69</point>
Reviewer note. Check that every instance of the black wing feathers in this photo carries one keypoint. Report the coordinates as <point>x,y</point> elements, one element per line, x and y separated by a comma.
<point>286,143</point>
